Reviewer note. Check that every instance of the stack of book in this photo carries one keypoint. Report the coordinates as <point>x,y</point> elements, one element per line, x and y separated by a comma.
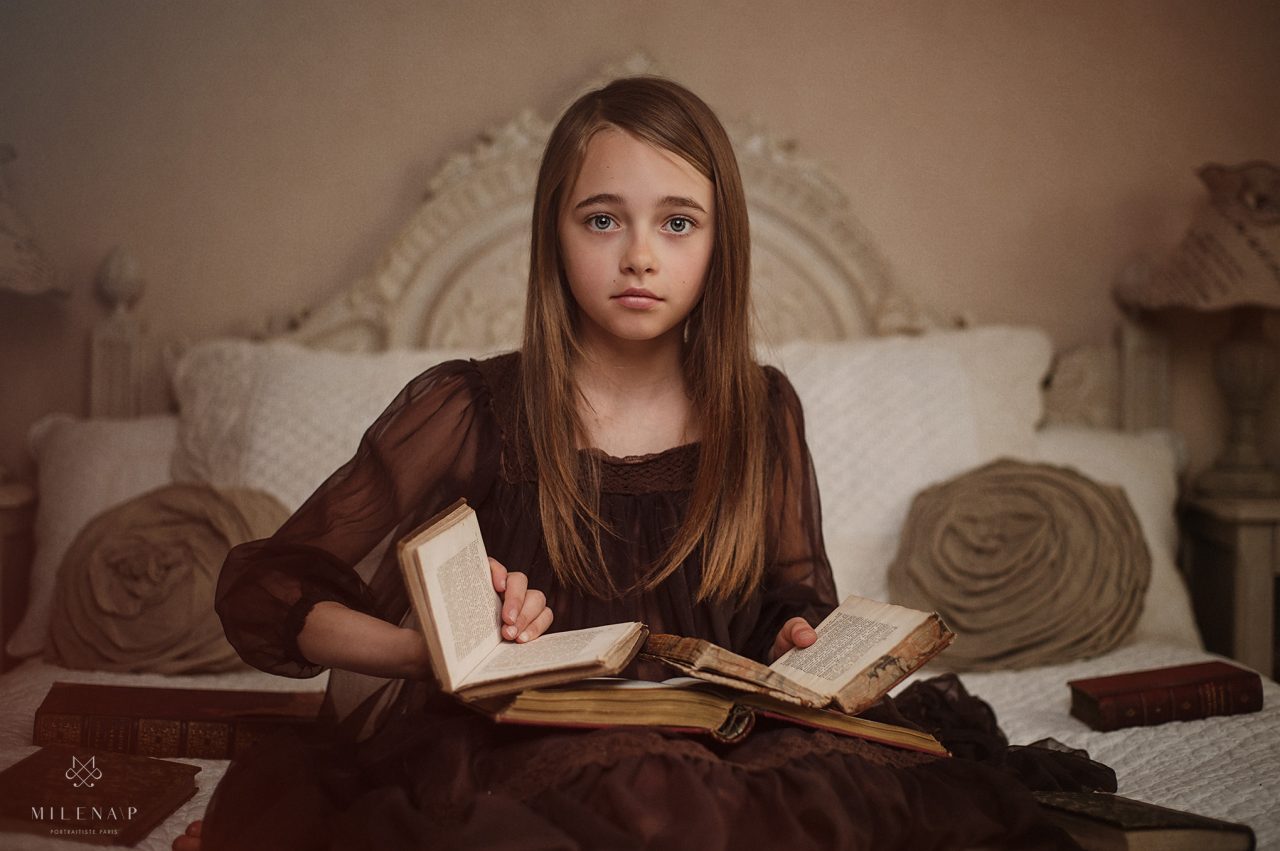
<point>864,648</point>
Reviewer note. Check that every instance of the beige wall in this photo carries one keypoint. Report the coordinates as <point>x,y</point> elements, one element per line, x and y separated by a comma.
<point>1007,157</point>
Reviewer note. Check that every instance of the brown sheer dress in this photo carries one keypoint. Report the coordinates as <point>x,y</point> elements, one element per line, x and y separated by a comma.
<point>400,765</point>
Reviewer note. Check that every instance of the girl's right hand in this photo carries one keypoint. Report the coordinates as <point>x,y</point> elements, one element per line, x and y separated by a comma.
<point>525,615</point>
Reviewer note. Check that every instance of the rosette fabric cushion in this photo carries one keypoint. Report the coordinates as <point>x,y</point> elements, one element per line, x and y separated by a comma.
<point>1030,564</point>
<point>135,592</point>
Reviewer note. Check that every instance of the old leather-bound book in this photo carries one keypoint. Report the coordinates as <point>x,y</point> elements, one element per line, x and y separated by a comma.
<point>1099,821</point>
<point>90,795</point>
<point>1159,695</point>
<point>167,722</point>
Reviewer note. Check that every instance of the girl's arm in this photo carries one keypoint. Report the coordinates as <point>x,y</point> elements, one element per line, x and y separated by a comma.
<point>436,441</point>
<point>335,636</point>
<point>798,590</point>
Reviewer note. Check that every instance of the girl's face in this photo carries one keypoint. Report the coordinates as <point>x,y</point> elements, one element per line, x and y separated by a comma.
<point>636,231</point>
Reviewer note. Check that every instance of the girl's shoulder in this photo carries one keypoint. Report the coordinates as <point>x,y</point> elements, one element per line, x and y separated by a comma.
<point>779,386</point>
<point>499,373</point>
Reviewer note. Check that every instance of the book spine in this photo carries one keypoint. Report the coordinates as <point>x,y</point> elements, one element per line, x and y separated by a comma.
<point>158,737</point>
<point>1186,702</point>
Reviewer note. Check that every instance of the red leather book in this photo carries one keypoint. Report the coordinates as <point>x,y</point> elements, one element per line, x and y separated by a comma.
<point>167,722</point>
<point>91,796</point>
<point>1178,693</point>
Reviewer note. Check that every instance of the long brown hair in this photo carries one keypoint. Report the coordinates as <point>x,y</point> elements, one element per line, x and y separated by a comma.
<point>726,517</point>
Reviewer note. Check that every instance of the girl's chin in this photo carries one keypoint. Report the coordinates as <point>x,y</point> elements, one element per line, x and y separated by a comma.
<point>634,334</point>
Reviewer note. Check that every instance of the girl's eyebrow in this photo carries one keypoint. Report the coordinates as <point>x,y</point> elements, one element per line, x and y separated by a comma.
<point>666,201</point>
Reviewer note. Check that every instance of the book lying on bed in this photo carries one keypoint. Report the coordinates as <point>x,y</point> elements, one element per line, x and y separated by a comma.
<point>446,571</point>
<point>91,796</point>
<point>864,648</point>
<point>687,705</point>
<point>1100,822</point>
<point>1159,695</point>
<point>186,722</point>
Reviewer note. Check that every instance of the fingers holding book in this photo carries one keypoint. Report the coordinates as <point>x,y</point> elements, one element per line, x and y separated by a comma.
<point>794,633</point>
<point>525,614</point>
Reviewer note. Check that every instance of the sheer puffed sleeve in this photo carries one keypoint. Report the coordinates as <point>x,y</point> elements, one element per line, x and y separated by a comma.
<point>437,441</point>
<point>797,576</point>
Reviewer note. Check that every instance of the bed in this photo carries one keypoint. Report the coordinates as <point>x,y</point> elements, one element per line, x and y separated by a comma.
<point>929,397</point>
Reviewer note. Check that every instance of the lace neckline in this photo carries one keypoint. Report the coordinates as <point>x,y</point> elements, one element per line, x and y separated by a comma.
<point>644,458</point>
<point>670,470</point>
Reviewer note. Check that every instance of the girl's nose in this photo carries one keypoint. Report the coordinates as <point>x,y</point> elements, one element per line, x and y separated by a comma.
<point>638,258</point>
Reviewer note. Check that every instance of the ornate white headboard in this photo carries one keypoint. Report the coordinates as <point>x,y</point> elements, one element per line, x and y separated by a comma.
<point>455,277</point>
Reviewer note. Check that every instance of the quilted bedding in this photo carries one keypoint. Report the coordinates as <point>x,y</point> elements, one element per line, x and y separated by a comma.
<point>1228,768</point>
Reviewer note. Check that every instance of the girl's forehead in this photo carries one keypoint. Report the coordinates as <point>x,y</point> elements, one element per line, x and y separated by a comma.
<point>621,163</point>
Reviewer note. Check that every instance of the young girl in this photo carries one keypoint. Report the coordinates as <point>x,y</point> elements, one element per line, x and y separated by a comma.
<point>631,462</point>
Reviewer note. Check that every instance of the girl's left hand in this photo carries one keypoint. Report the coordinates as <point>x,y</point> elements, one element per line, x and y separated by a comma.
<point>794,633</point>
<point>525,614</point>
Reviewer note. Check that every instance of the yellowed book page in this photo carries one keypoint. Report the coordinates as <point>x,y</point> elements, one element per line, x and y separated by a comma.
<point>466,610</point>
<point>851,639</point>
<point>547,652</point>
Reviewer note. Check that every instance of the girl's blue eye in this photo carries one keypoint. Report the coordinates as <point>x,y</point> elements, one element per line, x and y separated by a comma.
<point>680,224</point>
<point>600,222</point>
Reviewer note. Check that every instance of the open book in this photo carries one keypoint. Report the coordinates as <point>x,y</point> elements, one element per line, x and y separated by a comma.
<point>864,648</point>
<point>446,571</point>
<point>688,705</point>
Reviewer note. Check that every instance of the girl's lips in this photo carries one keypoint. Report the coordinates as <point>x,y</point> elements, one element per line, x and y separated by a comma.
<point>637,299</point>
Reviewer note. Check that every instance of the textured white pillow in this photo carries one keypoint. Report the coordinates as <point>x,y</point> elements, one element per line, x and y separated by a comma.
<point>84,467</point>
<point>279,417</point>
<point>887,417</point>
<point>1146,466</point>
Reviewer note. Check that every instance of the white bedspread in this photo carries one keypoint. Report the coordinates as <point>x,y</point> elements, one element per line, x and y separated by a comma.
<point>1226,767</point>
<point>1223,767</point>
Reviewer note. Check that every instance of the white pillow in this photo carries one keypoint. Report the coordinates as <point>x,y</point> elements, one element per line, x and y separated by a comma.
<point>279,417</point>
<point>83,467</point>
<point>1146,466</point>
<point>887,417</point>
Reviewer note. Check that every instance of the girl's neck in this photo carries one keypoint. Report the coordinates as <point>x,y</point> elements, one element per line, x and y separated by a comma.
<point>631,370</point>
<point>633,399</point>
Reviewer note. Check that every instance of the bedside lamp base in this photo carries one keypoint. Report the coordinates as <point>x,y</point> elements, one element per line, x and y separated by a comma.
<point>1245,368</point>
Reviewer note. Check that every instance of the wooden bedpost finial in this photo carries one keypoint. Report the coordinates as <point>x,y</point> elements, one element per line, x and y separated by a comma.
<point>116,366</point>
<point>120,283</point>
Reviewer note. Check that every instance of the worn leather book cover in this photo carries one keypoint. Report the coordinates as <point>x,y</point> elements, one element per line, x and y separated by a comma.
<point>1099,821</point>
<point>1156,696</point>
<point>167,722</point>
<point>864,648</point>
<point>92,796</point>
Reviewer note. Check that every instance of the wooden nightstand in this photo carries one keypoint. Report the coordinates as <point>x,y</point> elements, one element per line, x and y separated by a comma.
<point>1233,557</point>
